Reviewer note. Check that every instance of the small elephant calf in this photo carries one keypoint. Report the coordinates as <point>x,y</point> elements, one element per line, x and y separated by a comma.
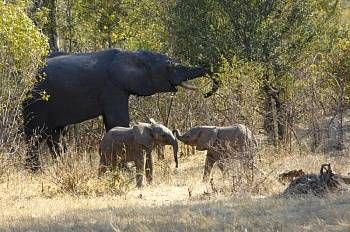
<point>217,141</point>
<point>124,144</point>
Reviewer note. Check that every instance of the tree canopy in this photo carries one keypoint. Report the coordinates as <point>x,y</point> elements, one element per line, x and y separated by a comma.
<point>279,62</point>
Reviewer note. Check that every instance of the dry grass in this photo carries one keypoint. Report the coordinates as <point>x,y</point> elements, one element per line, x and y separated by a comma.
<point>177,200</point>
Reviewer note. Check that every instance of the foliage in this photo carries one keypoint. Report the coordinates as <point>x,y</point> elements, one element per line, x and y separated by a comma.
<point>93,25</point>
<point>22,45</point>
<point>22,48</point>
<point>289,47</point>
<point>339,58</point>
<point>279,37</point>
<point>145,25</point>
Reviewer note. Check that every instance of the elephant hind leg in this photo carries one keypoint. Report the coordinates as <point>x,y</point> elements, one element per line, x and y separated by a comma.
<point>140,170</point>
<point>107,161</point>
<point>53,141</point>
<point>209,163</point>
<point>32,161</point>
<point>33,140</point>
<point>223,168</point>
<point>101,170</point>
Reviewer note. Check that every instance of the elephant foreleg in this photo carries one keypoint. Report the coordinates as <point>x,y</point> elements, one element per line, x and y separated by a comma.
<point>104,163</point>
<point>140,169</point>
<point>115,113</point>
<point>149,167</point>
<point>209,163</point>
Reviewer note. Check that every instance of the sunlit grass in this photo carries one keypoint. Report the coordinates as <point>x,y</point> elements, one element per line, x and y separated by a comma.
<point>176,201</point>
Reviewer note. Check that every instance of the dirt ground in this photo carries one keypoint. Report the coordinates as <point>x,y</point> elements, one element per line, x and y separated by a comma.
<point>177,201</point>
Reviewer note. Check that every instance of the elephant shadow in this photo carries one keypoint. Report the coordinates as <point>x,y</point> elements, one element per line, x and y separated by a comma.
<point>231,214</point>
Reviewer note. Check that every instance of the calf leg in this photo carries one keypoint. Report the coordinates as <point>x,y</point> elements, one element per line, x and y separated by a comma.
<point>149,167</point>
<point>209,163</point>
<point>109,160</point>
<point>222,167</point>
<point>140,169</point>
<point>102,168</point>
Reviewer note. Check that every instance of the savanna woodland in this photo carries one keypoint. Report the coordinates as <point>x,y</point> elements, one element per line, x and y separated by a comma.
<point>282,69</point>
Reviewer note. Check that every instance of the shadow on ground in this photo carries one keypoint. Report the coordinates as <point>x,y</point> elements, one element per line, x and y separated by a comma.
<point>225,214</point>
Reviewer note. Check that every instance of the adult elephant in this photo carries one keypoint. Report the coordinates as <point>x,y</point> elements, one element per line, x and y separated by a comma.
<point>73,88</point>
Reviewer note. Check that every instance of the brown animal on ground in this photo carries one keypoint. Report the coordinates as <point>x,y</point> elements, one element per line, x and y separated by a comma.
<point>289,176</point>
<point>346,179</point>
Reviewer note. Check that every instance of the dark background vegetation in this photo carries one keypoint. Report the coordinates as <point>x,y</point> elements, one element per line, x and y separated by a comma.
<point>282,64</point>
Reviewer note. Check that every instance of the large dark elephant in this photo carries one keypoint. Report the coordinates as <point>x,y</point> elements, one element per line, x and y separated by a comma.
<point>73,88</point>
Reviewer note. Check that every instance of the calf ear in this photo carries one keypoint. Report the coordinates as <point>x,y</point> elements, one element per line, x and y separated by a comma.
<point>143,135</point>
<point>207,138</point>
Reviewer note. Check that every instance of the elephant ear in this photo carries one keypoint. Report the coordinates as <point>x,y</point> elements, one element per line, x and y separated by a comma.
<point>130,73</point>
<point>207,138</point>
<point>143,134</point>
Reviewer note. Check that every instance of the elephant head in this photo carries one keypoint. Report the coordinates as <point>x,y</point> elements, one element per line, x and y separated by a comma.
<point>148,134</point>
<point>202,137</point>
<point>149,72</point>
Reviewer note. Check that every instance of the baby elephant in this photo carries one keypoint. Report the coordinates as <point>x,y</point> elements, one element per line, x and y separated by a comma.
<point>217,141</point>
<point>124,144</point>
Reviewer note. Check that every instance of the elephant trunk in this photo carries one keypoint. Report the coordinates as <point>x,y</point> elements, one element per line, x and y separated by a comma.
<point>177,134</point>
<point>183,74</point>
<point>180,137</point>
<point>175,150</point>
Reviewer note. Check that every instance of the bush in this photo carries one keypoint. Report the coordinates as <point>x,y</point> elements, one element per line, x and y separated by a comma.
<point>22,48</point>
<point>76,174</point>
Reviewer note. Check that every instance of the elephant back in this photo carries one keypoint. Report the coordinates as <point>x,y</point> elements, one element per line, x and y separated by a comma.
<point>237,135</point>
<point>115,138</point>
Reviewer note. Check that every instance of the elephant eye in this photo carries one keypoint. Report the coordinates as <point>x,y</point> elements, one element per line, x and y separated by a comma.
<point>170,68</point>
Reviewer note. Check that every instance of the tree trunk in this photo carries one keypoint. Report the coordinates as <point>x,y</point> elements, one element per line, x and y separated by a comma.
<point>51,28</point>
<point>316,130</point>
<point>275,120</point>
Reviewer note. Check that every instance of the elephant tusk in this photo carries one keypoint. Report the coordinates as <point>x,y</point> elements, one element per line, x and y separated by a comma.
<point>186,85</point>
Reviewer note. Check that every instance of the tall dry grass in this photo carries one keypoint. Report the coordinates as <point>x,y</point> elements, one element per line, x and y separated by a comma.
<point>68,196</point>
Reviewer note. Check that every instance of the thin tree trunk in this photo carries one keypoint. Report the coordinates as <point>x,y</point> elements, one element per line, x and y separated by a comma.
<point>340,144</point>
<point>52,25</point>
<point>338,112</point>
<point>316,129</point>
<point>274,121</point>
<point>270,114</point>
<point>276,116</point>
<point>70,25</point>
<point>340,129</point>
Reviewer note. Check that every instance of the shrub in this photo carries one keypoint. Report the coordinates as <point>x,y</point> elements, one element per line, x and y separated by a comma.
<point>22,48</point>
